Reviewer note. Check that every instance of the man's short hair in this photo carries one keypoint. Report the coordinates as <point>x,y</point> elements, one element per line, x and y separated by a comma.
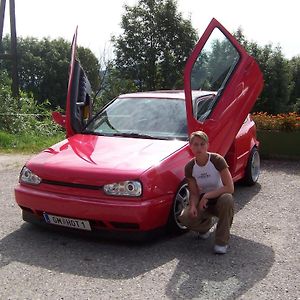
<point>200,134</point>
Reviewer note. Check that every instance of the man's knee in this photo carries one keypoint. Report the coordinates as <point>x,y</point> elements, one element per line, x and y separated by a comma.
<point>226,201</point>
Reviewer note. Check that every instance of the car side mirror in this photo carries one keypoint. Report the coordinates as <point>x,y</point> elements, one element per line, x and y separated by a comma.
<point>59,119</point>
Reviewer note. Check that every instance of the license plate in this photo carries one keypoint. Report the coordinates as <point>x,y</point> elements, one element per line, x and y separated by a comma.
<point>67,222</point>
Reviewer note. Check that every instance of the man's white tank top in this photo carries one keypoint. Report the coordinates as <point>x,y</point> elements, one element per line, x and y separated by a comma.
<point>208,177</point>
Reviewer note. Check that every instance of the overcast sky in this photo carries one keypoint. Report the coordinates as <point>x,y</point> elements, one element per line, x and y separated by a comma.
<point>263,21</point>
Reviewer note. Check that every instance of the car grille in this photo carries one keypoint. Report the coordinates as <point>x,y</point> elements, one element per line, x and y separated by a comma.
<point>74,185</point>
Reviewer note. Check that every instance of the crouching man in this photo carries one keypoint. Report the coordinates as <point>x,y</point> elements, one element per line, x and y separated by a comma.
<point>210,186</point>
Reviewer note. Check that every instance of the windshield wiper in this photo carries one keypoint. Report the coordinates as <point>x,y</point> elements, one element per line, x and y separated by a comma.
<point>89,132</point>
<point>125,134</point>
<point>94,133</point>
<point>136,135</point>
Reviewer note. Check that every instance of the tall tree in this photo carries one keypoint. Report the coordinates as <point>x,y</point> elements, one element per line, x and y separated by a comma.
<point>112,86</point>
<point>276,93</point>
<point>44,65</point>
<point>275,97</point>
<point>154,45</point>
<point>295,84</point>
<point>277,83</point>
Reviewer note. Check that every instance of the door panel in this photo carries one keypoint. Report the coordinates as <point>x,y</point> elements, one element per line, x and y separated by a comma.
<point>79,101</point>
<point>220,66</point>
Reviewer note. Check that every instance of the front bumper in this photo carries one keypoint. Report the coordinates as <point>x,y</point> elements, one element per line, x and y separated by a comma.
<point>113,214</point>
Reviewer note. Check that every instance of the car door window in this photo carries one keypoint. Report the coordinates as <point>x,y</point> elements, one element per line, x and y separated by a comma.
<point>213,67</point>
<point>204,106</point>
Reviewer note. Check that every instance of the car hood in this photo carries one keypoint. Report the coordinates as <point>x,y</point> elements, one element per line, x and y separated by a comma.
<point>90,159</point>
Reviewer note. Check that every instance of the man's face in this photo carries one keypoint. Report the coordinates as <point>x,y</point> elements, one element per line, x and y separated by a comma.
<point>198,146</point>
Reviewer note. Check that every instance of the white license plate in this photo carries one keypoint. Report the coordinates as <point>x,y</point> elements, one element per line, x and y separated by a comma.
<point>67,222</point>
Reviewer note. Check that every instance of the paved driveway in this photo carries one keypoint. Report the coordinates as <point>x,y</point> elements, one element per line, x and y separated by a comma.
<point>263,261</point>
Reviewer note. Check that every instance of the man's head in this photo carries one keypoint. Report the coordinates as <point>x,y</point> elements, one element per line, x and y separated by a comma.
<point>198,142</point>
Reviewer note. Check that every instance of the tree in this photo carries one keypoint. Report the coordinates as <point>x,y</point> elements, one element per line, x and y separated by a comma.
<point>276,92</point>
<point>295,84</point>
<point>155,44</point>
<point>44,65</point>
<point>113,85</point>
<point>275,96</point>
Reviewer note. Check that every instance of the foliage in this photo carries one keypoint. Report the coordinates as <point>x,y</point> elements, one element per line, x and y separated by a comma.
<point>296,106</point>
<point>295,83</point>
<point>5,83</point>
<point>24,115</point>
<point>113,86</point>
<point>275,97</point>
<point>214,63</point>
<point>154,45</point>
<point>27,127</point>
<point>27,142</point>
<point>276,92</point>
<point>43,67</point>
<point>285,122</point>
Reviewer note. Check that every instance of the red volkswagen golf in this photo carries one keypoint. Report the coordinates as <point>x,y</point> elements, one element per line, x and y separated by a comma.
<point>123,168</point>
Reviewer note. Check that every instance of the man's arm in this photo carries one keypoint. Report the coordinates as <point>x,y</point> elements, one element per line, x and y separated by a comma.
<point>227,187</point>
<point>194,196</point>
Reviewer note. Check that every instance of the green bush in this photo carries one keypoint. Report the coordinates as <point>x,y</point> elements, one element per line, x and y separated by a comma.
<point>24,115</point>
<point>5,140</point>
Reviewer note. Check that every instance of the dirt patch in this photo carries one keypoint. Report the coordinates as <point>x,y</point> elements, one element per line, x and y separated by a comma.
<point>12,161</point>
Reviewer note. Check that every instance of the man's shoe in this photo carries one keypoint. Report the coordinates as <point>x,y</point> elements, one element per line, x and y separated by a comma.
<point>220,249</point>
<point>203,236</point>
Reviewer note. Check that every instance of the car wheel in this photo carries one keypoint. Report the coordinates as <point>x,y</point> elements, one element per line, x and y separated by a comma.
<point>253,167</point>
<point>181,201</point>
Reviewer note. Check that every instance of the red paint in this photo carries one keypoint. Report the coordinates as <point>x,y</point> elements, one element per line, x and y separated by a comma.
<point>236,100</point>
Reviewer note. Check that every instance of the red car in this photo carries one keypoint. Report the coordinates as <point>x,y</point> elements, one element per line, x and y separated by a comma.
<point>123,169</point>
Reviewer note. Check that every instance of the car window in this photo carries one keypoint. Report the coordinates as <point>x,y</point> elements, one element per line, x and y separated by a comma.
<point>156,117</point>
<point>214,66</point>
<point>204,106</point>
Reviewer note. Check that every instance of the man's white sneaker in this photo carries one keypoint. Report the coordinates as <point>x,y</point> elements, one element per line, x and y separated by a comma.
<point>203,236</point>
<point>220,249</point>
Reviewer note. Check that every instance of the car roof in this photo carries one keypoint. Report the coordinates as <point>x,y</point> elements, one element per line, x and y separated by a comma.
<point>166,94</point>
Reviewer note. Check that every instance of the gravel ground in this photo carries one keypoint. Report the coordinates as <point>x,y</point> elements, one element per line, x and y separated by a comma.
<point>263,261</point>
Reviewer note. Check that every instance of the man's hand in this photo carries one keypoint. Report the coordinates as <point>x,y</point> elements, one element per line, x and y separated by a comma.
<point>193,211</point>
<point>203,203</point>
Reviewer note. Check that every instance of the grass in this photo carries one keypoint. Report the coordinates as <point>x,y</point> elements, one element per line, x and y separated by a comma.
<point>26,143</point>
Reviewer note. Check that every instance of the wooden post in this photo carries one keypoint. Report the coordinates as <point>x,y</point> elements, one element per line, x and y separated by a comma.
<point>13,38</point>
<point>13,51</point>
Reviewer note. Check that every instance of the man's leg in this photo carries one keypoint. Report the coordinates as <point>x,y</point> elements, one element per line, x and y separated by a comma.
<point>223,209</point>
<point>202,223</point>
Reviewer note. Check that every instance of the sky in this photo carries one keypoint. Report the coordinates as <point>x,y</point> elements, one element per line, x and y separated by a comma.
<point>262,21</point>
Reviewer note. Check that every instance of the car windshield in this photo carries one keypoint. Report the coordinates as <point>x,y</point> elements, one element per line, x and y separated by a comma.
<point>158,118</point>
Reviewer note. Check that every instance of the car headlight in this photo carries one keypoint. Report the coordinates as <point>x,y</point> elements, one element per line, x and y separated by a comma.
<point>124,188</point>
<point>27,176</point>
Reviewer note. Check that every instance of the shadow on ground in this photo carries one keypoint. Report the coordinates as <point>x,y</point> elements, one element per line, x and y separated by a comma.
<point>197,272</point>
<point>195,265</point>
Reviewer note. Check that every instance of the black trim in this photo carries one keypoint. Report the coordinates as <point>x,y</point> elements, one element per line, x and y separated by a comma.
<point>75,185</point>
<point>80,97</point>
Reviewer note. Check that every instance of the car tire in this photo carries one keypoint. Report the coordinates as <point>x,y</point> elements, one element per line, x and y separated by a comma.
<point>253,167</point>
<point>181,201</point>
